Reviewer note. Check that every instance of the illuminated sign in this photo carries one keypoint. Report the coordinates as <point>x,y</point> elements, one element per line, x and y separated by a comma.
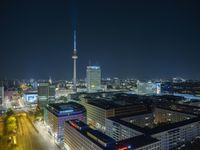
<point>66,111</point>
<point>74,125</point>
<point>125,148</point>
<point>31,98</point>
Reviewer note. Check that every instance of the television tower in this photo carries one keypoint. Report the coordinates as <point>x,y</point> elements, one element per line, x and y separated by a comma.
<point>74,57</point>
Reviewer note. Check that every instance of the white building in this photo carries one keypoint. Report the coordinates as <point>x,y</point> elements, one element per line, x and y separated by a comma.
<point>148,88</point>
<point>79,136</point>
<point>93,74</point>
<point>171,128</point>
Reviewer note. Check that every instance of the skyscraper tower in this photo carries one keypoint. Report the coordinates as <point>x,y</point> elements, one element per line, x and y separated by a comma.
<point>74,57</point>
<point>93,74</point>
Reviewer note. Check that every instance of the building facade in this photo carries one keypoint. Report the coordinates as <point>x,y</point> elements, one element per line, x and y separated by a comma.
<point>1,95</point>
<point>30,97</point>
<point>148,88</point>
<point>177,136</point>
<point>46,93</point>
<point>57,113</point>
<point>171,128</point>
<point>93,75</point>
<point>78,136</point>
<point>99,109</point>
<point>119,131</point>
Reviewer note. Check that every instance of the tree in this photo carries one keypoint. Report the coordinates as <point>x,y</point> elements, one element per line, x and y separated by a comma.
<point>11,126</point>
<point>10,112</point>
<point>14,147</point>
<point>11,120</point>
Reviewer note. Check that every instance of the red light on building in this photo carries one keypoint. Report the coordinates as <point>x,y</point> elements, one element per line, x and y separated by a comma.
<point>73,125</point>
<point>123,148</point>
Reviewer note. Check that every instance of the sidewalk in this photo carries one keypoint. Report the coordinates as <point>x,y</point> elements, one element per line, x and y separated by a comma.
<point>43,131</point>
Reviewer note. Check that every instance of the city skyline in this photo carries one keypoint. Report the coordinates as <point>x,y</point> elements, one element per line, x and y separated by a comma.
<point>99,75</point>
<point>127,39</point>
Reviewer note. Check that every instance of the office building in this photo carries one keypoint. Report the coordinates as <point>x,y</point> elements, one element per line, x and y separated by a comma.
<point>100,109</point>
<point>34,84</point>
<point>57,113</point>
<point>171,128</point>
<point>43,94</point>
<point>141,142</point>
<point>46,93</point>
<point>148,87</point>
<point>62,92</point>
<point>93,75</point>
<point>79,136</point>
<point>116,83</point>
<point>52,92</point>
<point>1,95</point>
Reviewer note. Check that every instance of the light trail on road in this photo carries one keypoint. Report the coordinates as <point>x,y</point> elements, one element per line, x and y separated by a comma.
<point>27,137</point>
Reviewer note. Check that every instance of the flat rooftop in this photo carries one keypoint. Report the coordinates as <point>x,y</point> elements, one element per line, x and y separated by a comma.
<point>138,141</point>
<point>30,92</point>
<point>104,104</point>
<point>100,139</point>
<point>62,109</point>
<point>96,136</point>
<point>93,67</point>
<point>119,99</point>
<point>154,130</point>
<point>110,103</point>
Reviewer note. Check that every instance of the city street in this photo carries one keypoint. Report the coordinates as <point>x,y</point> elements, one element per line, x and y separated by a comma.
<point>47,137</point>
<point>1,126</point>
<point>28,138</point>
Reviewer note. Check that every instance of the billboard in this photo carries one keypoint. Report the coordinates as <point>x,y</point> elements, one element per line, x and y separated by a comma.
<point>31,98</point>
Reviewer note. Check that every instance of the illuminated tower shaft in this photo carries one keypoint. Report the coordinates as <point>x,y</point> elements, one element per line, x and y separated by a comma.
<point>74,57</point>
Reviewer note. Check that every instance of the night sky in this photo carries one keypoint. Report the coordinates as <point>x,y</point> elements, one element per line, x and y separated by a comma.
<point>128,38</point>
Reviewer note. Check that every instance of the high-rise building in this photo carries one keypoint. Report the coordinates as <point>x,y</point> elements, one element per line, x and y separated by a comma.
<point>93,74</point>
<point>1,95</point>
<point>116,83</point>
<point>74,57</point>
<point>56,114</point>
<point>52,92</point>
<point>50,80</point>
<point>43,94</point>
<point>46,93</point>
<point>34,84</point>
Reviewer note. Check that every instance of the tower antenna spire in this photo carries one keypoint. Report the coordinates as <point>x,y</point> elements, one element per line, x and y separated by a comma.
<point>74,39</point>
<point>74,57</point>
